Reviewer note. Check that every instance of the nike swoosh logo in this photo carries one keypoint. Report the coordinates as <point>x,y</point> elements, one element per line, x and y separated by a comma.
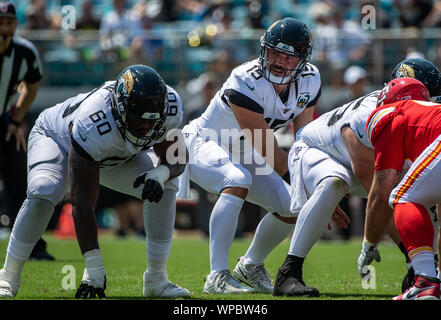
<point>82,138</point>
<point>413,292</point>
<point>243,275</point>
<point>251,88</point>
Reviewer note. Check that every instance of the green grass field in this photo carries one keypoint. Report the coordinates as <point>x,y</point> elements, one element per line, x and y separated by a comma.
<point>331,267</point>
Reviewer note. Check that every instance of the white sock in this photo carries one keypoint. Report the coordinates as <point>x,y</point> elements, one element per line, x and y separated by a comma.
<point>223,224</point>
<point>269,234</point>
<point>424,264</point>
<point>13,268</point>
<point>159,221</point>
<point>157,269</point>
<point>31,222</point>
<point>316,214</point>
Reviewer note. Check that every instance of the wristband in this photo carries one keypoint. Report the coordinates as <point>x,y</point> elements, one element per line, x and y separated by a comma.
<point>93,259</point>
<point>161,172</point>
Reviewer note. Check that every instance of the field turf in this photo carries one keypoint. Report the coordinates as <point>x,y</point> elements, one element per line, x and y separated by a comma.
<point>331,267</point>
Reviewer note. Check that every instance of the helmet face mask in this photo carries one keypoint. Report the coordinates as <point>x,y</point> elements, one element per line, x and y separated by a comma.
<point>139,104</point>
<point>290,37</point>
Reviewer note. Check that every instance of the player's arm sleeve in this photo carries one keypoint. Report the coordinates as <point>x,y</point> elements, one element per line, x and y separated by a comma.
<point>389,146</point>
<point>242,92</point>
<point>358,125</point>
<point>312,74</point>
<point>83,143</point>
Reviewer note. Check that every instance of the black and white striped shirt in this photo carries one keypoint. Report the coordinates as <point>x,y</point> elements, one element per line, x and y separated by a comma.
<point>19,62</point>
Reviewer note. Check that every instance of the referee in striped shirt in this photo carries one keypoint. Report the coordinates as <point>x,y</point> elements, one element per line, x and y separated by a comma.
<point>20,75</point>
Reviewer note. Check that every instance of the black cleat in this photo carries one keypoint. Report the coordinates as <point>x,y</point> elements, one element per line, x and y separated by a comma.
<point>287,285</point>
<point>39,252</point>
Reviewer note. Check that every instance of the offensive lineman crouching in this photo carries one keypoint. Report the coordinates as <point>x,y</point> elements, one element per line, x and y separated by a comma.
<point>99,138</point>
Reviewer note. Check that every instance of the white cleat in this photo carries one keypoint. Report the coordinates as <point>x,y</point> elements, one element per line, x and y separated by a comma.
<point>163,289</point>
<point>224,283</point>
<point>253,275</point>
<point>8,287</point>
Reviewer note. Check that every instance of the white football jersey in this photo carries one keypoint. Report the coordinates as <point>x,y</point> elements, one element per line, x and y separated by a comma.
<point>324,132</point>
<point>87,119</point>
<point>246,87</point>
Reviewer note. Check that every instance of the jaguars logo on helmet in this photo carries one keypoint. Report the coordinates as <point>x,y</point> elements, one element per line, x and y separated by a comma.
<point>125,84</point>
<point>422,70</point>
<point>404,71</point>
<point>141,94</point>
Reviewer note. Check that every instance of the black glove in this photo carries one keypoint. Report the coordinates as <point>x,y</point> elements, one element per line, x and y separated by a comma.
<point>85,291</point>
<point>152,190</point>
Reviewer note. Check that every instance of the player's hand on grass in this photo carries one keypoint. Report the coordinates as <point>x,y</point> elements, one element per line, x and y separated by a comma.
<point>369,252</point>
<point>93,284</point>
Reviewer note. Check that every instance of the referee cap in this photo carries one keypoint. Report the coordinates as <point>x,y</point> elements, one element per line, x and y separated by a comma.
<point>7,9</point>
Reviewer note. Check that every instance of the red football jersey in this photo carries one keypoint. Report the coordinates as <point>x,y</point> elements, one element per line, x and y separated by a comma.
<point>400,131</point>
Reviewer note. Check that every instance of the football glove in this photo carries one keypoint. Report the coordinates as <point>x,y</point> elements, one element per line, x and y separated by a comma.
<point>153,183</point>
<point>369,252</point>
<point>93,282</point>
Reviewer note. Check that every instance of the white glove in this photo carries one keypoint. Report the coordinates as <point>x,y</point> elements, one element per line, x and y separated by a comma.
<point>94,276</point>
<point>369,252</point>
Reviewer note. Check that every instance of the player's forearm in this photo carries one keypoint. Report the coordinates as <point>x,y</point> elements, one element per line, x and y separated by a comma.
<point>84,177</point>
<point>378,215</point>
<point>175,170</point>
<point>85,227</point>
<point>25,100</point>
<point>265,142</point>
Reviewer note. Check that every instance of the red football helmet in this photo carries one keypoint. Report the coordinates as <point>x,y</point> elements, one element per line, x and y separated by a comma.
<point>403,89</point>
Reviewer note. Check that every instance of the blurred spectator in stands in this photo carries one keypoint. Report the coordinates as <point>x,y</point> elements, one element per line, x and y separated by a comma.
<point>413,12</point>
<point>355,80</point>
<point>202,89</point>
<point>146,46</point>
<point>55,20</point>
<point>88,20</point>
<point>412,53</point>
<point>337,42</point>
<point>256,13</point>
<point>119,27</point>
<point>36,18</point>
<point>433,20</point>
<point>194,10</point>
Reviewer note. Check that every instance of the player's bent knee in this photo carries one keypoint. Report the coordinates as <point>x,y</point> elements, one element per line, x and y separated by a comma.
<point>289,220</point>
<point>236,191</point>
<point>45,188</point>
<point>238,179</point>
<point>335,184</point>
